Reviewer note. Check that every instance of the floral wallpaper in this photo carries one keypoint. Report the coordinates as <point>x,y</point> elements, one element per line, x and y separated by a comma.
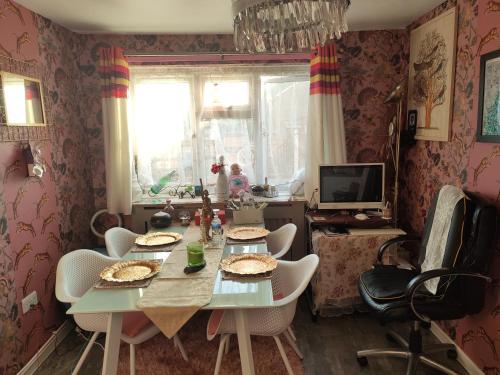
<point>40,219</point>
<point>462,162</point>
<point>372,63</point>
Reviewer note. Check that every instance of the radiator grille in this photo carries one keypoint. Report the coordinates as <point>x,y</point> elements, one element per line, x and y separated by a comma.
<point>275,223</point>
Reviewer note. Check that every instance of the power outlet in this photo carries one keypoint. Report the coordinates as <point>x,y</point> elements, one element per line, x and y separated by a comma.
<point>29,301</point>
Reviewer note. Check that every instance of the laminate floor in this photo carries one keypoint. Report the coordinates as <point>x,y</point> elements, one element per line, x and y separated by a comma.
<point>329,346</point>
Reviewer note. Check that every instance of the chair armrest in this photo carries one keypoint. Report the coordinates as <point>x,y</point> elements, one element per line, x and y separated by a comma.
<point>399,239</point>
<point>419,280</point>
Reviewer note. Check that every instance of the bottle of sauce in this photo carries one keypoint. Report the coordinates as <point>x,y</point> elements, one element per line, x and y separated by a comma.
<point>266,185</point>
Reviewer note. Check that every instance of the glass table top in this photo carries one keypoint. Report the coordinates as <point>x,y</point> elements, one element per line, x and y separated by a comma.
<point>226,293</point>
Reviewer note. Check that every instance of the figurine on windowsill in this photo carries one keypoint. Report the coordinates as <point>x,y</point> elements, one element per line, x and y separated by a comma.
<point>238,182</point>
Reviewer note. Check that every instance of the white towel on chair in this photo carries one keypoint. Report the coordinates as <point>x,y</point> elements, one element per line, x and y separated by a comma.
<point>448,198</point>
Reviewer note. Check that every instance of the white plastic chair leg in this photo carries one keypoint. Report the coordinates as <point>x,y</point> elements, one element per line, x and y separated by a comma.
<point>283,355</point>
<point>228,343</point>
<point>85,353</point>
<point>132,359</point>
<point>292,335</point>
<point>178,344</point>
<point>222,344</point>
<point>293,344</point>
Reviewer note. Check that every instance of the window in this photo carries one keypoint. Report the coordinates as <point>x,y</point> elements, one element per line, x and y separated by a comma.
<point>184,118</point>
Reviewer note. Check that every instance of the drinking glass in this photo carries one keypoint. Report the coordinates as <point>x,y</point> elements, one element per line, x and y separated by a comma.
<point>195,254</point>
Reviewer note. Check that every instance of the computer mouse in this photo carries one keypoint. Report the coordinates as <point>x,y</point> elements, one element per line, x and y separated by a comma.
<point>361,216</point>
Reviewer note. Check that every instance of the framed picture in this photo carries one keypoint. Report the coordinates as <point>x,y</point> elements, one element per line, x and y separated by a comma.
<point>488,119</point>
<point>432,76</point>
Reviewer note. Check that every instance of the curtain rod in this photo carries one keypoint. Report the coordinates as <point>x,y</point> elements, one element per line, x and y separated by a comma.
<point>135,57</point>
<point>135,53</point>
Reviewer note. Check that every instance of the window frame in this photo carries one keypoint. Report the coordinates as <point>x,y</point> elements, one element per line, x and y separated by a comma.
<point>197,76</point>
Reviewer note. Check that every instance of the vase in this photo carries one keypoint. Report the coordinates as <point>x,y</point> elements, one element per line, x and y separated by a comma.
<point>222,187</point>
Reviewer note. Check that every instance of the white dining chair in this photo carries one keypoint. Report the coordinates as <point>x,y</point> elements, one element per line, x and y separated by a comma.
<point>77,272</point>
<point>280,240</point>
<point>119,241</point>
<point>290,280</point>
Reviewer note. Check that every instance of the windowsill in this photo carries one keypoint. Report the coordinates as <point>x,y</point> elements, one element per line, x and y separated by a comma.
<point>149,201</point>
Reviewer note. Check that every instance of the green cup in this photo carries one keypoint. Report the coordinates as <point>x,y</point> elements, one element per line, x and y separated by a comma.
<point>195,254</point>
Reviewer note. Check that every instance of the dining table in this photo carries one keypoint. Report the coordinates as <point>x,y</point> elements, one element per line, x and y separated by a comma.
<point>235,295</point>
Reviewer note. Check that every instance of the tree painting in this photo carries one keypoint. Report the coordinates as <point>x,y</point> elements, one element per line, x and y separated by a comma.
<point>492,121</point>
<point>429,87</point>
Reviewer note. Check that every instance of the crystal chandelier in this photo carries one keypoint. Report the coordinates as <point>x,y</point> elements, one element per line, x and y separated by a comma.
<point>287,25</point>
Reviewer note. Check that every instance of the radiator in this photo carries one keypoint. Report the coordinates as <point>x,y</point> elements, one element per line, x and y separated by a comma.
<point>275,223</point>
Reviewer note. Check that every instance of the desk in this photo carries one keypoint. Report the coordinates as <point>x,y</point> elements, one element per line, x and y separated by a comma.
<point>227,294</point>
<point>342,258</point>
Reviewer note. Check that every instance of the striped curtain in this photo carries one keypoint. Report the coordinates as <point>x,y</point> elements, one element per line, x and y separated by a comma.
<point>114,73</point>
<point>325,129</point>
<point>34,112</point>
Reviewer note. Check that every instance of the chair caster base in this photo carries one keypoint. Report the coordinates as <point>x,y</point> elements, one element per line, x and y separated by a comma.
<point>414,359</point>
<point>362,361</point>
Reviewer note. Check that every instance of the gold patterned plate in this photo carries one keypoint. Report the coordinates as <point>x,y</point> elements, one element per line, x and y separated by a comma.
<point>158,239</point>
<point>247,233</point>
<point>131,270</point>
<point>248,264</point>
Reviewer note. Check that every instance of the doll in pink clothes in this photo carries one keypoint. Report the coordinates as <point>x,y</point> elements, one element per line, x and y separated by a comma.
<point>238,182</point>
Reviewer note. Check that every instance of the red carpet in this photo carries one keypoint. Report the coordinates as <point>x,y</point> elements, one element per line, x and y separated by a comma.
<point>158,355</point>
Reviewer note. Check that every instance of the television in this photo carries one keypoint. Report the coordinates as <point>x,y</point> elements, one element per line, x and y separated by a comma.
<point>351,186</point>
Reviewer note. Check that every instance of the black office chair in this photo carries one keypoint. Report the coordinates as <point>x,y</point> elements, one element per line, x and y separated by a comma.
<point>399,294</point>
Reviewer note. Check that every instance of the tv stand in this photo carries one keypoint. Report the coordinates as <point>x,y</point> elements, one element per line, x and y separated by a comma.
<point>345,252</point>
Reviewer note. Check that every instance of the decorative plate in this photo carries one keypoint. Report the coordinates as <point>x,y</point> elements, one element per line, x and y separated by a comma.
<point>248,264</point>
<point>131,270</point>
<point>158,239</point>
<point>247,233</point>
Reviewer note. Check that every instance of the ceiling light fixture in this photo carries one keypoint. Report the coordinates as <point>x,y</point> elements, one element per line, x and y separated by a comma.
<point>287,25</point>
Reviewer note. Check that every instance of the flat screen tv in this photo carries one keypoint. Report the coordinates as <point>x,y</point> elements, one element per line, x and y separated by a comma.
<point>351,186</point>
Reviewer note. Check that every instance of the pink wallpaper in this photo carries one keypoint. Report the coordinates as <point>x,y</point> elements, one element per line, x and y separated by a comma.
<point>465,163</point>
<point>371,65</point>
<point>40,219</point>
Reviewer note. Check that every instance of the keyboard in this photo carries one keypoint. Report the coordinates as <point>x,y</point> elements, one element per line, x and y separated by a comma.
<point>376,231</point>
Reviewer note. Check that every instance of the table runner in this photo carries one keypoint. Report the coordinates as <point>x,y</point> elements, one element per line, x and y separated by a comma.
<point>153,249</point>
<point>173,267</point>
<point>173,297</point>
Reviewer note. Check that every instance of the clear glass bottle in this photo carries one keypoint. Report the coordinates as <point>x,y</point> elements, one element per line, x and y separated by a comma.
<point>216,225</point>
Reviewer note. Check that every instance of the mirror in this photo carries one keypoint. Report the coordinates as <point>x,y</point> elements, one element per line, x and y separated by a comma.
<point>21,101</point>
